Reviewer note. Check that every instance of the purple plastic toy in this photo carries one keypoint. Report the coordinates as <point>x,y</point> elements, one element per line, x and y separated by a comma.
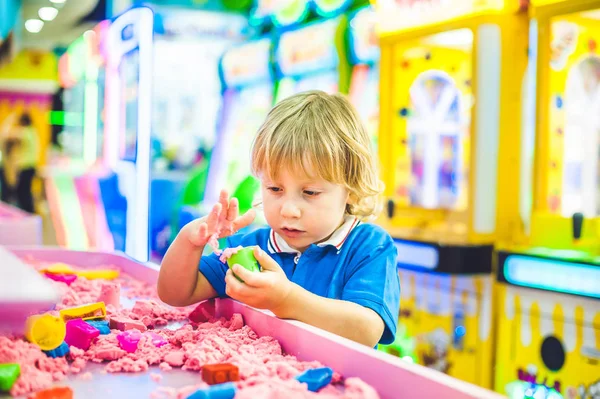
<point>157,340</point>
<point>128,340</point>
<point>80,334</point>
<point>63,278</point>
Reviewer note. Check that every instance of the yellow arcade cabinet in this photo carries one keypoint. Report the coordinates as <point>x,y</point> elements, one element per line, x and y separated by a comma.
<point>450,93</point>
<point>549,274</point>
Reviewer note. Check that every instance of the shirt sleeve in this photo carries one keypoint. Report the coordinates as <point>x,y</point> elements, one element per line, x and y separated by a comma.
<point>214,270</point>
<point>373,282</point>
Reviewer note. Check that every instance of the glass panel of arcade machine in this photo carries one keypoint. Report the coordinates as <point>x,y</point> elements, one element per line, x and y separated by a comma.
<point>433,98</point>
<point>130,73</point>
<point>573,184</point>
<point>72,136</point>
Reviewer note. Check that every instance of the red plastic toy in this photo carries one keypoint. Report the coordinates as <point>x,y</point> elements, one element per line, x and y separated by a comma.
<point>54,393</point>
<point>219,373</point>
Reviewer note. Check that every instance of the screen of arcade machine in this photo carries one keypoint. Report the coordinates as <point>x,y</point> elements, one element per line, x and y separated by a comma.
<point>573,184</point>
<point>308,59</point>
<point>129,71</point>
<point>72,134</point>
<point>364,84</point>
<point>100,116</point>
<point>433,96</point>
<point>247,101</point>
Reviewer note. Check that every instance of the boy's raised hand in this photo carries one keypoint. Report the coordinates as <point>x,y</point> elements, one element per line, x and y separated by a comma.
<point>222,221</point>
<point>268,289</point>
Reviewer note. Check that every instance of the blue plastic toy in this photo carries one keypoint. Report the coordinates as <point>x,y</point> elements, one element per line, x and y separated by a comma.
<point>100,325</point>
<point>61,351</point>
<point>316,378</point>
<point>220,391</point>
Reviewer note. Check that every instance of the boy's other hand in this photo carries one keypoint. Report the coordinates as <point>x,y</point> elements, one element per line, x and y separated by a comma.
<point>268,289</point>
<point>222,221</point>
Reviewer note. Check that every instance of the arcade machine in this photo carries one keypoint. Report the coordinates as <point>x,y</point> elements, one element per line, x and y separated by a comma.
<point>313,57</point>
<point>549,275</point>
<point>305,59</point>
<point>248,97</point>
<point>451,78</point>
<point>71,184</point>
<point>173,118</point>
<point>188,48</point>
<point>279,14</point>
<point>364,57</point>
<point>127,136</point>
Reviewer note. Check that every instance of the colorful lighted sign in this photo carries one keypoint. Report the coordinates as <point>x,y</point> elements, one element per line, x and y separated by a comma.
<point>553,275</point>
<point>364,42</point>
<point>397,15</point>
<point>279,12</point>
<point>308,49</point>
<point>247,63</point>
<point>198,23</point>
<point>416,255</point>
<point>331,7</point>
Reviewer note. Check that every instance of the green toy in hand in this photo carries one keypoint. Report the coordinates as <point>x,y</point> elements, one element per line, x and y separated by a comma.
<point>245,258</point>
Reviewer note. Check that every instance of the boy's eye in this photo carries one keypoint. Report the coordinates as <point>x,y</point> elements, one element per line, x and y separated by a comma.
<point>311,193</point>
<point>274,189</point>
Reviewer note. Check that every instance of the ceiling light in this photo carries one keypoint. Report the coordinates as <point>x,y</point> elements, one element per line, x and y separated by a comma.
<point>34,25</point>
<point>48,13</point>
<point>57,1</point>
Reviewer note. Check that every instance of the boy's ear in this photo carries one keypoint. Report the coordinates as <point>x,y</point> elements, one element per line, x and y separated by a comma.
<point>352,199</point>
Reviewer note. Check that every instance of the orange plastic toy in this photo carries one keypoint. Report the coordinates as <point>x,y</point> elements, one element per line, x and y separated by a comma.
<point>54,393</point>
<point>219,373</point>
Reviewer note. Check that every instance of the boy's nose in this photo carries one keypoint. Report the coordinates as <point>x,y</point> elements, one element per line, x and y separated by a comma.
<point>290,209</point>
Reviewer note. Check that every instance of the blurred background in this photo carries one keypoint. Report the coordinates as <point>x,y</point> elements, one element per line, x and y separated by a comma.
<point>120,121</point>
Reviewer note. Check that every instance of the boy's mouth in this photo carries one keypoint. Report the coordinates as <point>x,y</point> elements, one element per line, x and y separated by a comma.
<point>291,232</point>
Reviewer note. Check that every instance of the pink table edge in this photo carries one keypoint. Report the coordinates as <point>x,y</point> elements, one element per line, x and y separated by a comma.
<point>392,377</point>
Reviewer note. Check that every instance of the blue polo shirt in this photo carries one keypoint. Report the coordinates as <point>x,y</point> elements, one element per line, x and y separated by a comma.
<point>357,264</point>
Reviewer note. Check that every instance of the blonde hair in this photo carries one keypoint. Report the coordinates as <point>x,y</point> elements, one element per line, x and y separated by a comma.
<point>323,133</point>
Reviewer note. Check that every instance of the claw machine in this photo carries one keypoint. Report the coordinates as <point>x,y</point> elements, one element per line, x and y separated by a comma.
<point>73,178</point>
<point>450,108</point>
<point>248,97</point>
<point>549,274</point>
<point>313,57</point>
<point>364,57</point>
<point>163,100</point>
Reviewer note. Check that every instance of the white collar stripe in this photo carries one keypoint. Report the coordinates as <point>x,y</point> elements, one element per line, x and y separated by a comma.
<point>355,223</point>
<point>277,244</point>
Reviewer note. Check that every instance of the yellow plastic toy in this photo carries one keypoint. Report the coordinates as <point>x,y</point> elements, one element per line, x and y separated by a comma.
<point>92,274</point>
<point>549,271</point>
<point>450,119</point>
<point>92,311</point>
<point>46,331</point>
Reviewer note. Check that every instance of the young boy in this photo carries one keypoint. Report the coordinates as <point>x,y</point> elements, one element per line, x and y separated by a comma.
<point>320,264</point>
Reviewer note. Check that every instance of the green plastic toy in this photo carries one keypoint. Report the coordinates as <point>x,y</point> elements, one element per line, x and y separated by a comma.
<point>9,373</point>
<point>245,258</point>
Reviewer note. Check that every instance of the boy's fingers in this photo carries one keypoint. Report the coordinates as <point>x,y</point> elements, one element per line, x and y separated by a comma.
<point>234,209</point>
<point>200,235</point>
<point>233,287</point>
<point>244,220</point>
<point>224,201</point>
<point>265,261</point>
<point>213,217</point>
<point>250,278</point>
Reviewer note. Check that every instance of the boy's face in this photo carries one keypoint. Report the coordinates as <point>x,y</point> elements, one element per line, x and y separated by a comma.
<point>301,209</point>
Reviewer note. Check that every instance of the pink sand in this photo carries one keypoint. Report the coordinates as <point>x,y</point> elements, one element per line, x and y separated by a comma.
<point>229,252</point>
<point>265,371</point>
